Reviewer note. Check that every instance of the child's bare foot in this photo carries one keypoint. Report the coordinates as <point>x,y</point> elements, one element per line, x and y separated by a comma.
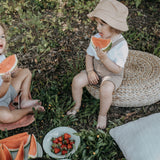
<point>102,122</point>
<point>29,103</point>
<point>39,108</point>
<point>73,111</point>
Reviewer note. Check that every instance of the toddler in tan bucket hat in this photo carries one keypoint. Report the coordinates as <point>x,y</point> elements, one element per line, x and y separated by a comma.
<point>104,69</point>
<point>112,12</point>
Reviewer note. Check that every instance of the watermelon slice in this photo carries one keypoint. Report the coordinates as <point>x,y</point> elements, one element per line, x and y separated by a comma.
<point>20,153</point>
<point>14,137</point>
<point>13,142</point>
<point>104,44</point>
<point>8,64</point>
<point>32,148</point>
<point>4,153</point>
<point>7,152</point>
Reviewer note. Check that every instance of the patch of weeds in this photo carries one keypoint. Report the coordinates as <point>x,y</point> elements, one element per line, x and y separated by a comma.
<point>140,40</point>
<point>95,144</point>
<point>157,50</point>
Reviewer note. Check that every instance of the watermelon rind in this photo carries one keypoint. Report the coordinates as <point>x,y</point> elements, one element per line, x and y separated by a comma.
<point>30,155</point>
<point>107,48</point>
<point>13,67</point>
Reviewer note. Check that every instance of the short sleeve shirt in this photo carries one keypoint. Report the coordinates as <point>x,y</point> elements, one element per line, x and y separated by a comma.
<point>2,57</point>
<point>118,54</point>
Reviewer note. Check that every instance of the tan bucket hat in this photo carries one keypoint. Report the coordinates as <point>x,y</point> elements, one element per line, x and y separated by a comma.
<point>112,12</point>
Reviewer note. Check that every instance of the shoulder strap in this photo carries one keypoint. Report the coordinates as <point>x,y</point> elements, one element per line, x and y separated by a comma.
<point>117,42</point>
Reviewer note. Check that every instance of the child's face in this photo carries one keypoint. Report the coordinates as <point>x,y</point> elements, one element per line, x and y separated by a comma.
<point>103,29</point>
<point>2,40</point>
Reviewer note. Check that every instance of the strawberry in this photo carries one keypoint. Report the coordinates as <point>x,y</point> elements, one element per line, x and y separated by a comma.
<point>67,136</point>
<point>54,145</point>
<point>56,150</point>
<point>59,143</point>
<point>64,147</point>
<point>55,140</point>
<point>66,141</point>
<point>72,142</point>
<point>64,152</point>
<point>60,139</point>
<point>69,146</point>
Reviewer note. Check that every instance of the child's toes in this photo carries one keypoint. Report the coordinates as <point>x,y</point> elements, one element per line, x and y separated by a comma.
<point>39,108</point>
<point>102,122</point>
<point>73,111</point>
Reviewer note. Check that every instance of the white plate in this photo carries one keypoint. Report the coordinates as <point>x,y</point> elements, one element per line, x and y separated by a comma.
<point>54,133</point>
<point>26,149</point>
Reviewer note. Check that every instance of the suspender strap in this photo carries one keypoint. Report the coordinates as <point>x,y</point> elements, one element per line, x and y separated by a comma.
<point>117,42</point>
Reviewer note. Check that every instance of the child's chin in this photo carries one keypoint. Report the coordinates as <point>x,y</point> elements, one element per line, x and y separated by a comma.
<point>1,51</point>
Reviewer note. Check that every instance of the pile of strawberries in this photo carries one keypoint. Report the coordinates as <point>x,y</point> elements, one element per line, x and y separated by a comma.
<point>62,144</point>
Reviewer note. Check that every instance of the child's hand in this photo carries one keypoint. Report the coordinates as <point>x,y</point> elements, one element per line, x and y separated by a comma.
<point>100,53</point>
<point>93,77</point>
<point>7,77</point>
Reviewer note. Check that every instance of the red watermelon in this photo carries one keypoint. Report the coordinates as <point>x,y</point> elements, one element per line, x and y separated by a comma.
<point>104,44</point>
<point>8,64</point>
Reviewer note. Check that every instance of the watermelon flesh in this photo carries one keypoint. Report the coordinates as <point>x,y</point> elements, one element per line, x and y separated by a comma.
<point>104,44</point>
<point>32,148</point>
<point>4,153</point>
<point>20,153</point>
<point>13,142</point>
<point>7,152</point>
<point>8,64</point>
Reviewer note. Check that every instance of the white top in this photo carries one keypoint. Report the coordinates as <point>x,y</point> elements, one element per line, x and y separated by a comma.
<point>118,54</point>
<point>2,57</point>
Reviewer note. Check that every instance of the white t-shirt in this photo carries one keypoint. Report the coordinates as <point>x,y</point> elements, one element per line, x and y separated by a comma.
<point>118,54</point>
<point>2,57</point>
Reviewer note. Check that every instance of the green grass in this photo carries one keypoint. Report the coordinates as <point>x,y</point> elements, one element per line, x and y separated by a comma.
<point>50,38</point>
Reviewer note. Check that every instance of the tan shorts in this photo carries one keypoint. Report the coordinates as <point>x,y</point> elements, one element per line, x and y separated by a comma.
<point>105,75</point>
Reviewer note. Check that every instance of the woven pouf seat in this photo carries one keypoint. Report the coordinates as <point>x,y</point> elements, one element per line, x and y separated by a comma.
<point>141,83</point>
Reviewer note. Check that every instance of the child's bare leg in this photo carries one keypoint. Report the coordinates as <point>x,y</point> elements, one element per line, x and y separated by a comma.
<point>7,116</point>
<point>106,91</point>
<point>79,81</point>
<point>23,82</point>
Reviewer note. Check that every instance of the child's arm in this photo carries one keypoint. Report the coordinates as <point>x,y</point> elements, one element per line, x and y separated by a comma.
<point>89,63</point>
<point>5,84</point>
<point>111,66</point>
<point>92,76</point>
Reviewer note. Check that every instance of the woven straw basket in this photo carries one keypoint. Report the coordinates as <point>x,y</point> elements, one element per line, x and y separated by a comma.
<point>141,83</point>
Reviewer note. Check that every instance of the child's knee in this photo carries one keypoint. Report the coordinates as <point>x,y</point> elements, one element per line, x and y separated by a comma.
<point>27,72</point>
<point>107,88</point>
<point>75,80</point>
